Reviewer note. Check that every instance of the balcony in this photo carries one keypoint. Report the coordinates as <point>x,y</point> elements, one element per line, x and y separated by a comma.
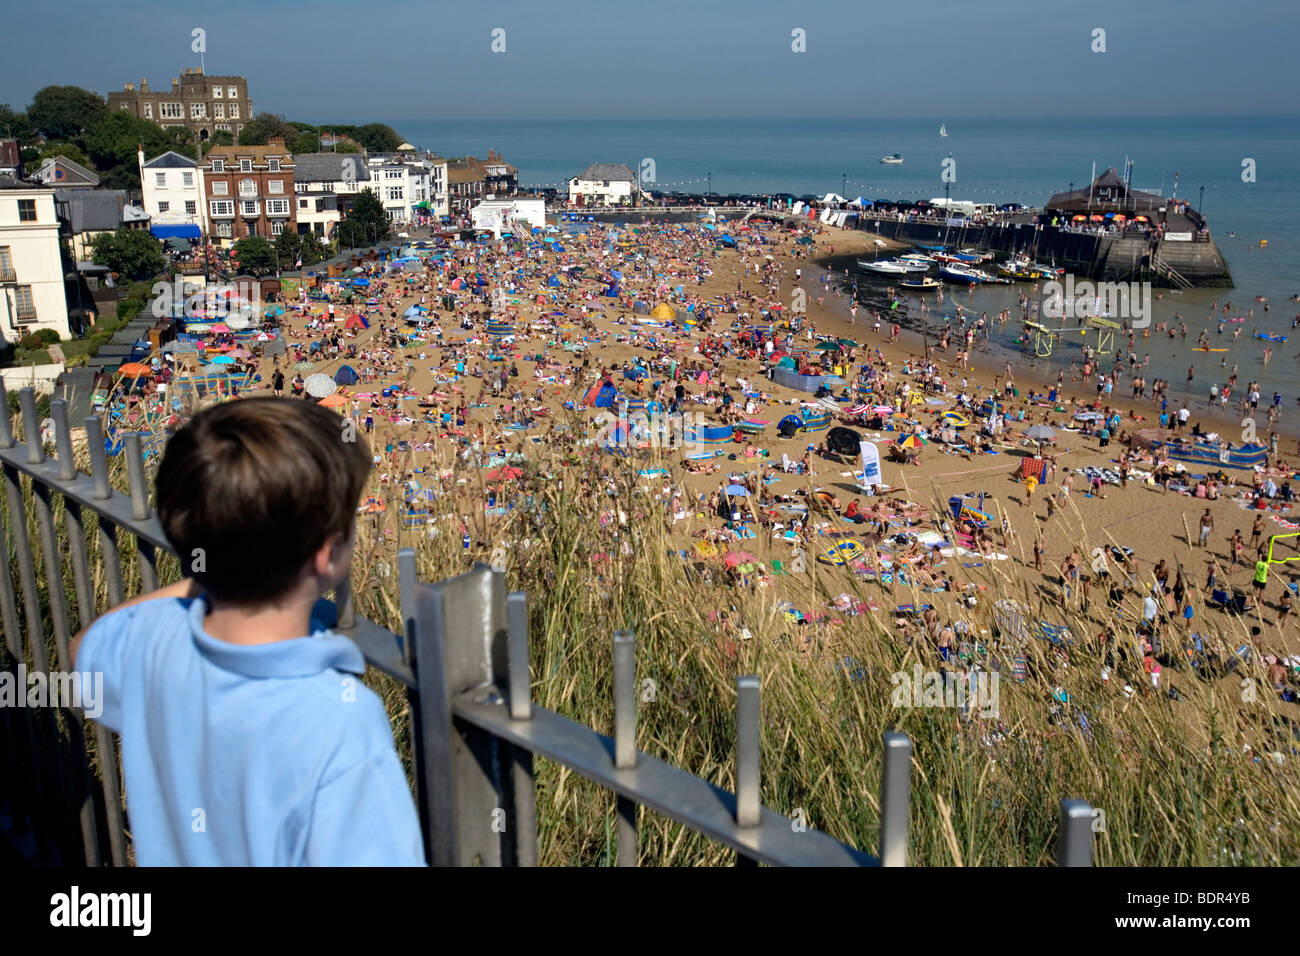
<point>7,274</point>
<point>24,315</point>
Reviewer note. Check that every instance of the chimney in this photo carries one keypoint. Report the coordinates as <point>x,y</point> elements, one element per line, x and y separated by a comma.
<point>176,85</point>
<point>127,87</point>
<point>144,85</point>
<point>277,141</point>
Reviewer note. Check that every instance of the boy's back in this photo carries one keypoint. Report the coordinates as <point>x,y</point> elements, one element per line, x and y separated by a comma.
<point>263,755</point>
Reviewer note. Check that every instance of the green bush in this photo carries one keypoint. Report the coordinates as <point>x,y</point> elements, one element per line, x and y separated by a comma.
<point>47,336</point>
<point>128,309</point>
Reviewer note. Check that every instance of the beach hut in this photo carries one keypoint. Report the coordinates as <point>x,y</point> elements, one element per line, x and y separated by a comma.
<point>346,375</point>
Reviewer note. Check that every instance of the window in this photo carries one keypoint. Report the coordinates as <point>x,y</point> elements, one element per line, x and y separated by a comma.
<point>164,206</point>
<point>171,110</point>
<point>198,110</point>
<point>222,207</point>
<point>223,230</point>
<point>277,227</point>
<point>160,180</point>
<point>233,92</point>
<point>220,189</point>
<point>248,187</point>
<point>219,166</point>
<point>225,126</point>
<point>191,207</point>
<point>275,185</point>
<point>277,207</point>
<point>187,180</point>
<point>148,111</point>
<point>245,165</point>
<point>218,110</point>
<point>6,265</point>
<point>216,94</point>
<point>302,203</point>
<point>248,208</point>
<point>26,307</point>
<point>234,111</point>
<point>394,192</point>
<point>27,210</point>
<point>274,165</point>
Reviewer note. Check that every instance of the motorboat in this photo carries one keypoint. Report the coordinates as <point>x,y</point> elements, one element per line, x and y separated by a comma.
<point>966,276</point>
<point>895,160</point>
<point>919,285</point>
<point>947,257</point>
<point>975,255</point>
<point>917,258</point>
<point>883,266</point>
<point>1046,269</point>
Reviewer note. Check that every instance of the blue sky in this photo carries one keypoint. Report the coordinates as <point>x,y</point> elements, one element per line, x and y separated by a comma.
<point>398,60</point>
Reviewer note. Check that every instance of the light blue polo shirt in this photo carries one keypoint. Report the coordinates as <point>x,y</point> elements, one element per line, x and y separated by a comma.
<point>266,755</point>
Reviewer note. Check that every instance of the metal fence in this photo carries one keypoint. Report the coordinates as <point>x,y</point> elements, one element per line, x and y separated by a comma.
<point>462,657</point>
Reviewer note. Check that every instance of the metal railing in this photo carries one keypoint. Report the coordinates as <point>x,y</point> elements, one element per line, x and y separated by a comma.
<point>462,657</point>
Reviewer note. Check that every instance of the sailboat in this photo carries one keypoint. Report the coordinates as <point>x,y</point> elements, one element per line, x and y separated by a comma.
<point>943,130</point>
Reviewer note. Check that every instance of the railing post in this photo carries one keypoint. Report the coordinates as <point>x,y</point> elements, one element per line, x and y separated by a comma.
<point>749,804</point>
<point>625,739</point>
<point>895,789</point>
<point>1075,841</point>
<point>460,645</point>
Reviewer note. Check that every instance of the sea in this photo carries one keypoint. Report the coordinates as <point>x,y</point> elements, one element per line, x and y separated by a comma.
<point>1241,172</point>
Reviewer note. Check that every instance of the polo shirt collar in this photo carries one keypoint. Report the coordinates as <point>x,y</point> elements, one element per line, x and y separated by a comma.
<point>307,656</point>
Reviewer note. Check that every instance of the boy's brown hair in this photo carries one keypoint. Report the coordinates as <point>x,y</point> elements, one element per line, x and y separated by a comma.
<point>249,490</point>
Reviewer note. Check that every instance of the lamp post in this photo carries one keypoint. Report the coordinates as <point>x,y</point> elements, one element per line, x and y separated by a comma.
<point>844,185</point>
<point>1200,205</point>
<point>710,175</point>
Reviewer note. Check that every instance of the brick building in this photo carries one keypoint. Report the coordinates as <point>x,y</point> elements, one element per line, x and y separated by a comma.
<point>249,190</point>
<point>202,103</point>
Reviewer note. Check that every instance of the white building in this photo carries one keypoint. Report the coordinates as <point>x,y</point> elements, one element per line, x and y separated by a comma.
<point>603,184</point>
<point>395,183</point>
<point>173,195</point>
<point>509,215</point>
<point>326,184</point>
<point>31,267</point>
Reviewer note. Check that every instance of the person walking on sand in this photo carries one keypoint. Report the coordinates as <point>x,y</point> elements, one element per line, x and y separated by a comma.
<point>1207,526</point>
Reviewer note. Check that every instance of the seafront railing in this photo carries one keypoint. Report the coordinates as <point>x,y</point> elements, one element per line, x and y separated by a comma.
<point>462,658</point>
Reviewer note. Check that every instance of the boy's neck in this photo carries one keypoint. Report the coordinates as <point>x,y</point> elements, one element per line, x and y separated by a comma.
<point>264,624</point>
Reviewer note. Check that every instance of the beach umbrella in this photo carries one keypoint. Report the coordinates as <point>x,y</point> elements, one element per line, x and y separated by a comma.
<point>1080,218</point>
<point>1140,219</point>
<point>913,441</point>
<point>319,385</point>
<point>734,558</point>
<point>221,328</point>
<point>332,401</point>
<point>1096,217</point>
<point>828,346</point>
<point>135,370</point>
<point>1120,217</point>
<point>736,490</point>
<point>241,353</point>
<point>848,343</point>
<point>504,473</point>
<point>1040,434</point>
<point>222,360</point>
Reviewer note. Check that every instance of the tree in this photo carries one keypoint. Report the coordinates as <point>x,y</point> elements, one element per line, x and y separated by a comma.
<point>255,256</point>
<point>67,150</point>
<point>113,140</point>
<point>312,251</point>
<point>62,112</point>
<point>366,221</point>
<point>303,143</point>
<point>287,246</point>
<point>131,253</point>
<point>264,126</point>
<point>221,137</point>
<point>15,124</point>
<point>376,137</point>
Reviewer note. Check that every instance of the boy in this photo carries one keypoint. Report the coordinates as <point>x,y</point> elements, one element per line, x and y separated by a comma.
<point>247,737</point>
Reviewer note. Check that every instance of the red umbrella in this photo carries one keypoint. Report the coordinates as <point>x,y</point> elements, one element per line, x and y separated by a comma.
<point>504,473</point>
